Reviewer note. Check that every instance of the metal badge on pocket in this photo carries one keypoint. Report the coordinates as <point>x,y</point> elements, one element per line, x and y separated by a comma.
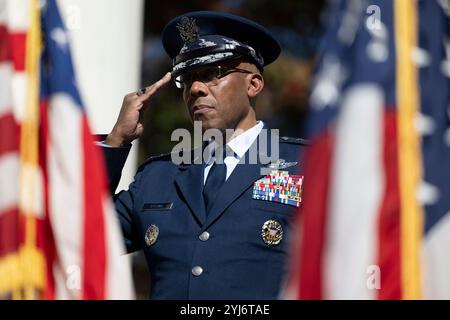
<point>272,233</point>
<point>151,235</point>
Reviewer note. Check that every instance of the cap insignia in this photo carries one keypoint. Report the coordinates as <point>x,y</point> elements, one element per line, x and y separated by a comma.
<point>188,29</point>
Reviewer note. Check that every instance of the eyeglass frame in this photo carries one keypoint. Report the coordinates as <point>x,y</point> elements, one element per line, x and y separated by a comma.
<point>215,81</point>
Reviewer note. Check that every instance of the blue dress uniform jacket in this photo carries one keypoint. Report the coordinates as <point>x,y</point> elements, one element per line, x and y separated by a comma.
<point>199,255</point>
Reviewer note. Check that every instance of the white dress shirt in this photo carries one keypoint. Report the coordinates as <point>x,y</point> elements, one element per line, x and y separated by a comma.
<point>239,145</point>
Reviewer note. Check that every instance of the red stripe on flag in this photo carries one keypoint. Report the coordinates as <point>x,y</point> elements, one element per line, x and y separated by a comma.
<point>5,52</point>
<point>9,231</point>
<point>12,47</point>
<point>389,255</point>
<point>94,247</point>
<point>9,134</point>
<point>317,171</point>
<point>18,41</point>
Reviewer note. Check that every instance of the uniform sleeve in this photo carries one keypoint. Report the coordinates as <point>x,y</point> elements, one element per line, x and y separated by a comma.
<point>124,202</point>
<point>115,159</point>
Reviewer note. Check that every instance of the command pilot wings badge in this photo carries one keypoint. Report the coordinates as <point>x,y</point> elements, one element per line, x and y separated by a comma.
<point>188,29</point>
<point>281,164</point>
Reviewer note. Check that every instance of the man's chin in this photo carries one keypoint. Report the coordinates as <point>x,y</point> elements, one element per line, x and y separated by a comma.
<point>211,124</point>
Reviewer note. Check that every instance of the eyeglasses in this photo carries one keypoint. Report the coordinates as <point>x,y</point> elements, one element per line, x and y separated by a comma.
<point>209,75</point>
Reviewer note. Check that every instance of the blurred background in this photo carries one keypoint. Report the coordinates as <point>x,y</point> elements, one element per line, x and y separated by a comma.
<point>377,111</point>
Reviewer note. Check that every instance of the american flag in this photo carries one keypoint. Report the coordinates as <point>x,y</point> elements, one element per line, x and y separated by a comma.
<point>375,221</point>
<point>59,237</point>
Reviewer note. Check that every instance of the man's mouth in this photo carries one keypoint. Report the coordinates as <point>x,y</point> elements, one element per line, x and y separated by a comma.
<point>201,109</point>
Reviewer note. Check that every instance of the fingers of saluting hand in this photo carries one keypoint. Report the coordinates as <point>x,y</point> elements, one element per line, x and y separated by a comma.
<point>139,98</point>
<point>150,91</point>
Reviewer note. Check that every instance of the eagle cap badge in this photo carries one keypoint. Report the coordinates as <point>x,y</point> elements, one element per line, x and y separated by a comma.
<point>188,29</point>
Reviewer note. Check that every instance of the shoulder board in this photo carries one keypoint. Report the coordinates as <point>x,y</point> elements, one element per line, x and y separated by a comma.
<point>298,141</point>
<point>153,158</point>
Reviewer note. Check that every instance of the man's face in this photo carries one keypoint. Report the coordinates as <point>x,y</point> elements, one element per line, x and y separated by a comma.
<point>223,103</point>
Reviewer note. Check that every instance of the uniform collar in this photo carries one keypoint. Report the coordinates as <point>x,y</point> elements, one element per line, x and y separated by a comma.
<point>242,142</point>
<point>239,145</point>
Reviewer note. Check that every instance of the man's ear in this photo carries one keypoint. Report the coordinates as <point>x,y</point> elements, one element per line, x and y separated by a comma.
<point>255,85</point>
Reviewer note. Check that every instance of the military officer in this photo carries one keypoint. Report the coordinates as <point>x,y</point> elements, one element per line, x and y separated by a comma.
<point>211,229</point>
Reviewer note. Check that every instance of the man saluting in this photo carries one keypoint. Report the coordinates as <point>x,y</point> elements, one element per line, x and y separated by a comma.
<point>215,227</point>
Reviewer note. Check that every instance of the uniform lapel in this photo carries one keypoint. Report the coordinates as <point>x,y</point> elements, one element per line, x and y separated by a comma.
<point>190,183</point>
<point>240,180</point>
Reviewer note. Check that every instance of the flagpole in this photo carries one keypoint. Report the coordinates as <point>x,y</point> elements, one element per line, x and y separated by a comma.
<point>409,147</point>
<point>31,258</point>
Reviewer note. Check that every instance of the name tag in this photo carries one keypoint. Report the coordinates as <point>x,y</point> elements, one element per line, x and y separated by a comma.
<point>157,206</point>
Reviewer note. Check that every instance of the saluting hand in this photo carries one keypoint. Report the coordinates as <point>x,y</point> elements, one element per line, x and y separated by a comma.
<point>129,124</point>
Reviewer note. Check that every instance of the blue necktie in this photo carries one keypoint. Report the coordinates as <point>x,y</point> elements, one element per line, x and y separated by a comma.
<point>216,177</point>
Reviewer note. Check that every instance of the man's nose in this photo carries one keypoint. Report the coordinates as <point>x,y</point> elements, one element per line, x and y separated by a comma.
<point>198,89</point>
